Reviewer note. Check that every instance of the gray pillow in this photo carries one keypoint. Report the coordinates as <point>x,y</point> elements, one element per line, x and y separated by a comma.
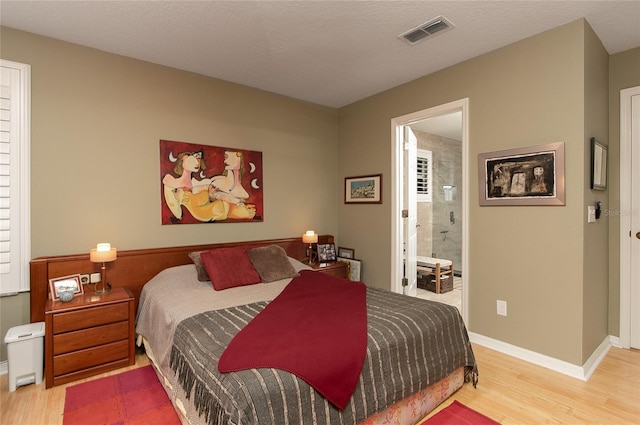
<point>271,263</point>
<point>203,276</point>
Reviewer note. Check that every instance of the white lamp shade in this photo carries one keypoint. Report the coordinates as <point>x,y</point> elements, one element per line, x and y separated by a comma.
<point>310,237</point>
<point>102,253</point>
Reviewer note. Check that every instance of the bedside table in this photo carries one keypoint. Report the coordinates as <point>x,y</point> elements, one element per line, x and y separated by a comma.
<point>88,335</point>
<point>334,268</point>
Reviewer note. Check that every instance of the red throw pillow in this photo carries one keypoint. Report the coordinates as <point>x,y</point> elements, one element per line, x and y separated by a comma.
<point>229,267</point>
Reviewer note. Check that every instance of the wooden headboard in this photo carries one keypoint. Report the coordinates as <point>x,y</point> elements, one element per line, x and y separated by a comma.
<point>134,268</point>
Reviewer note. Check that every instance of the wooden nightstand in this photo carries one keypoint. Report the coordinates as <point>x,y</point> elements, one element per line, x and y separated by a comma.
<point>333,268</point>
<point>88,335</point>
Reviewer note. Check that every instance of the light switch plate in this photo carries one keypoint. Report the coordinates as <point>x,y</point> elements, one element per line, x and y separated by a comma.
<point>591,214</point>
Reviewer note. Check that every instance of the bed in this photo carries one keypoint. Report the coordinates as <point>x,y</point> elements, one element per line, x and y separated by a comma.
<point>420,371</point>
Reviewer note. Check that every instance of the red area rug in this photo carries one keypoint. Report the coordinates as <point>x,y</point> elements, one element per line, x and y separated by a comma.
<point>458,414</point>
<point>134,397</point>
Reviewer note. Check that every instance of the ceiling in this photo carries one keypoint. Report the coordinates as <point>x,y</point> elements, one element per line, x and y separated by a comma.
<point>331,53</point>
<point>448,125</point>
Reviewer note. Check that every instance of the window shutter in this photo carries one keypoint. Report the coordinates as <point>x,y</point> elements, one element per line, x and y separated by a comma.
<point>423,176</point>
<point>5,178</point>
<point>14,177</point>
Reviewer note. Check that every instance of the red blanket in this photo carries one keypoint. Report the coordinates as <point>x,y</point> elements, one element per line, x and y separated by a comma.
<point>316,329</point>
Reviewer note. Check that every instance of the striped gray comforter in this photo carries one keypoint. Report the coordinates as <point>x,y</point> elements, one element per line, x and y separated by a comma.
<point>412,343</point>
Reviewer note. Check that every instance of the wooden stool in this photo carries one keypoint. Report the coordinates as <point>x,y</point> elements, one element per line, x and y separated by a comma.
<point>439,267</point>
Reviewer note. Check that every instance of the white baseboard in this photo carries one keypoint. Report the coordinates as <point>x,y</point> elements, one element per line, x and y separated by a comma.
<point>596,357</point>
<point>615,341</point>
<point>3,368</point>
<point>583,372</point>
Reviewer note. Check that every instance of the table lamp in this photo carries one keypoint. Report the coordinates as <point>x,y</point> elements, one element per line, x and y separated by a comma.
<point>310,237</point>
<point>103,253</point>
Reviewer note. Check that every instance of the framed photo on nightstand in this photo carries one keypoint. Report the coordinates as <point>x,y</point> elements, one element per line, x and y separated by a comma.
<point>65,283</point>
<point>346,252</point>
<point>326,252</point>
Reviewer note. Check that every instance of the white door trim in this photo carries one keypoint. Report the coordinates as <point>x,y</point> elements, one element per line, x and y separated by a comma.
<point>625,214</point>
<point>396,186</point>
<point>410,205</point>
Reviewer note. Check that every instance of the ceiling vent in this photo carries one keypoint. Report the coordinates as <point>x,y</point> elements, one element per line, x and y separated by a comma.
<point>435,26</point>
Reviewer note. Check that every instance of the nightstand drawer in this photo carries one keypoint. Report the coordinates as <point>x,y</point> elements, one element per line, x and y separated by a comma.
<point>83,359</point>
<point>90,337</point>
<point>74,320</point>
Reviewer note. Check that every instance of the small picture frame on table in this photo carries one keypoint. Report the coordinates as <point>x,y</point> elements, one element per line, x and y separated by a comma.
<point>65,283</point>
<point>346,252</point>
<point>326,252</point>
<point>354,268</point>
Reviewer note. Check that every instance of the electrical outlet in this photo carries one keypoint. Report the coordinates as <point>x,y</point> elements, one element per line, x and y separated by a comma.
<point>85,279</point>
<point>95,277</point>
<point>501,307</point>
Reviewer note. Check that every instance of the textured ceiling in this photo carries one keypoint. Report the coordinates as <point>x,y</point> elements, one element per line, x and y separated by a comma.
<point>327,52</point>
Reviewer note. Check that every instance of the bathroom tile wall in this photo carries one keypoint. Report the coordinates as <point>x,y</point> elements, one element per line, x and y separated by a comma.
<point>440,221</point>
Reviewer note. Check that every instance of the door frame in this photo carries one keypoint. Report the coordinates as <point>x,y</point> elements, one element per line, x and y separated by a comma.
<point>397,125</point>
<point>625,215</point>
<point>409,203</point>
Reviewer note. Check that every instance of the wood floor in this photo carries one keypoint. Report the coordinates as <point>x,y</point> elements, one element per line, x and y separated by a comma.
<point>510,391</point>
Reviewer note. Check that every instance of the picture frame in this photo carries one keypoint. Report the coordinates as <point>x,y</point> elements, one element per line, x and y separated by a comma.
<point>532,175</point>
<point>56,285</point>
<point>346,252</point>
<point>363,189</point>
<point>232,176</point>
<point>598,165</point>
<point>354,268</point>
<point>326,252</point>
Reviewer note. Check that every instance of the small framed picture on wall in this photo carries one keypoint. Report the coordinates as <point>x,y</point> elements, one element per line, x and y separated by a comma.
<point>363,189</point>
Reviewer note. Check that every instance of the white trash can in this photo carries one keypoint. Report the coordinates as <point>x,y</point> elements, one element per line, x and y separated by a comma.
<point>25,346</point>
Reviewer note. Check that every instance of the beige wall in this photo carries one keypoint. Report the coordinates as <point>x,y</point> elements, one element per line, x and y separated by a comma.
<point>529,93</point>
<point>624,72</point>
<point>96,119</point>
<point>596,235</point>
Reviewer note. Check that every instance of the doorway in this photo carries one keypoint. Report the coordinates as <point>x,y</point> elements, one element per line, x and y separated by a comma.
<point>439,158</point>
<point>629,217</point>
<point>438,236</point>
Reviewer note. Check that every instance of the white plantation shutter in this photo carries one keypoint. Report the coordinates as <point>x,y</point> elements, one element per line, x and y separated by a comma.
<point>424,175</point>
<point>5,175</point>
<point>14,177</point>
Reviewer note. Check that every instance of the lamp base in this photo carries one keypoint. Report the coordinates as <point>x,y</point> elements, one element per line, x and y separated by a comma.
<point>310,257</point>
<point>106,288</point>
<point>102,291</point>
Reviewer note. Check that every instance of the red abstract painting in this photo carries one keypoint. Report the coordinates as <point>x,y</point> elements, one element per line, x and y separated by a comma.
<point>209,184</point>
